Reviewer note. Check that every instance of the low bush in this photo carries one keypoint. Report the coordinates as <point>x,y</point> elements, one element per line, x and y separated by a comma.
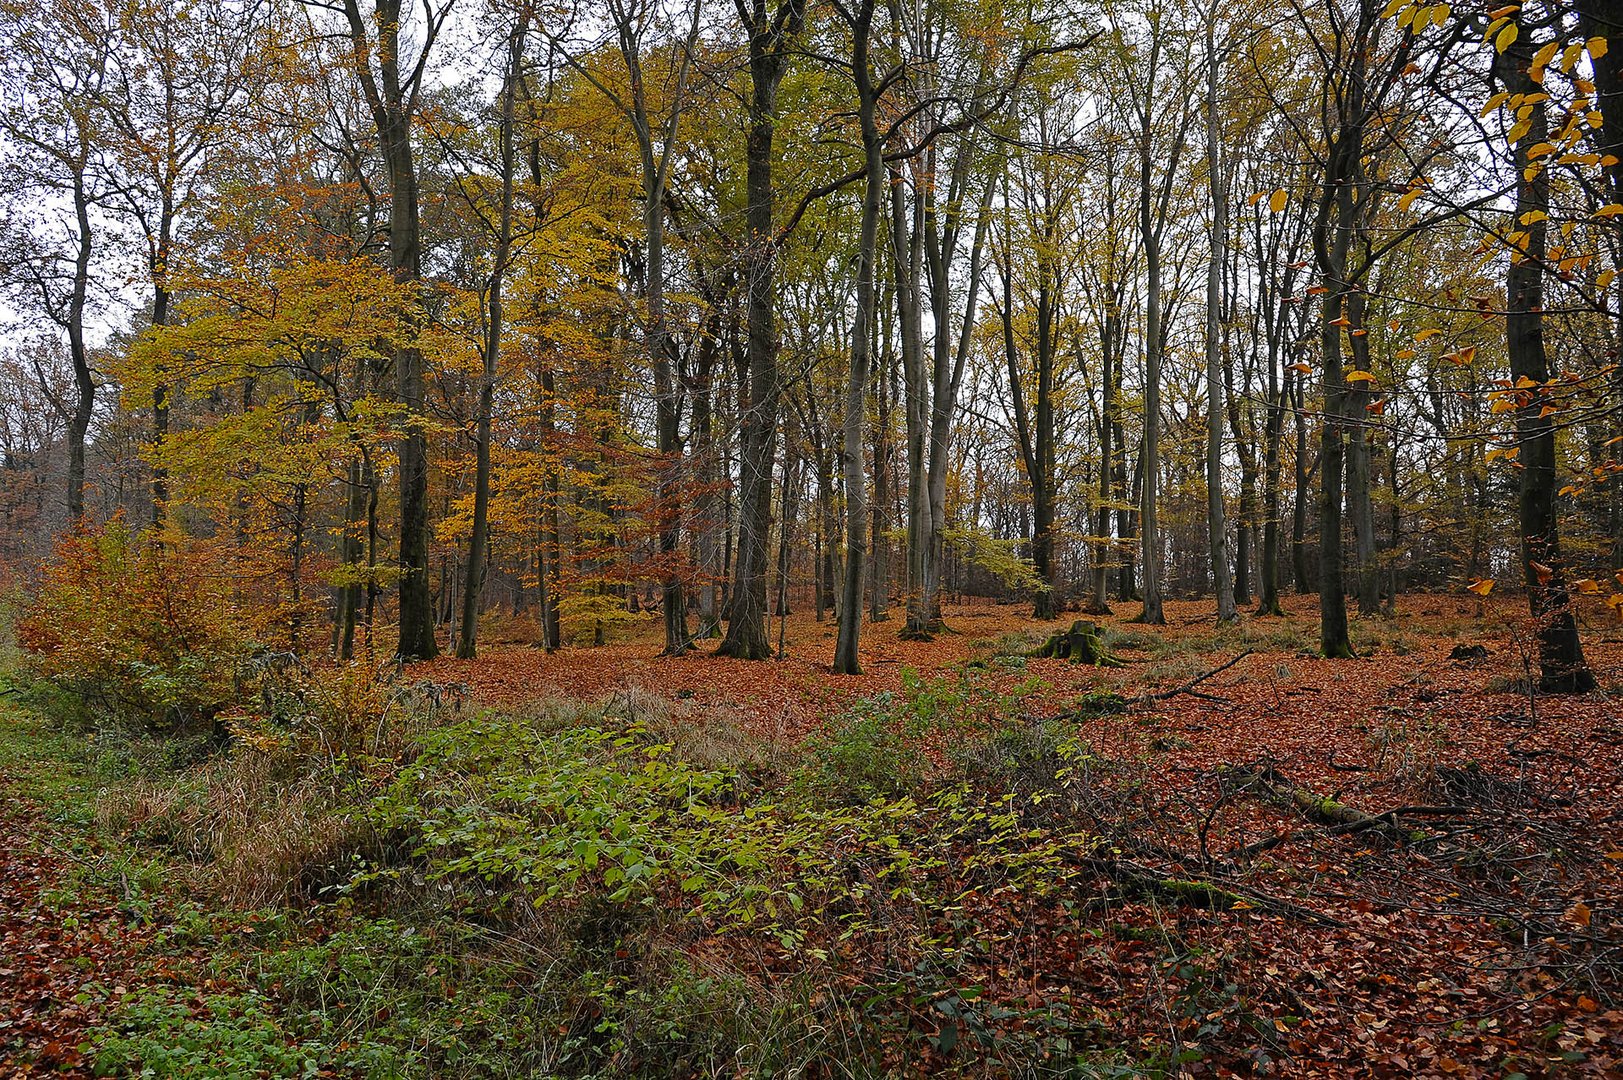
<point>605,891</point>
<point>145,632</point>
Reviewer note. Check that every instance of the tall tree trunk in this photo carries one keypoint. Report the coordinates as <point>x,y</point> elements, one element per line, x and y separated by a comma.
<point>84,382</point>
<point>1561,658</point>
<point>769,37</point>
<point>1216,527</point>
<point>479,542</point>
<point>550,579</point>
<point>846,659</point>
<point>1046,605</point>
<point>879,544</point>
<point>906,266</point>
<point>1273,437</point>
<point>942,229</point>
<point>1110,341</point>
<point>1150,455</point>
<point>1359,475</point>
<point>393,103</point>
<point>706,505</point>
<point>1332,239</point>
<point>1302,497</point>
<point>160,391</point>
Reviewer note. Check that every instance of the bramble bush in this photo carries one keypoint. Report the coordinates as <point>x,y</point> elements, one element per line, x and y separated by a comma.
<point>148,632</point>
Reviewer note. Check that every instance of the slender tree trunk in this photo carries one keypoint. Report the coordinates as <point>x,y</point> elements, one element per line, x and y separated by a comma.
<point>1359,483</point>
<point>1216,525</point>
<point>1110,336</point>
<point>551,578</point>
<point>1150,455</point>
<point>706,505</point>
<point>846,658</point>
<point>1268,575</point>
<point>905,258</point>
<point>479,541</point>
<point>160,391</point>
<point>949,365</point>
<point>879,598</point>
<point>1332,238</point>
<point>1302,496</point>
<point>84,382</point>
<point>1047,601</point>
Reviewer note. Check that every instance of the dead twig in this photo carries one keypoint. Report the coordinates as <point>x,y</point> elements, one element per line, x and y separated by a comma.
<point>1189,687</point>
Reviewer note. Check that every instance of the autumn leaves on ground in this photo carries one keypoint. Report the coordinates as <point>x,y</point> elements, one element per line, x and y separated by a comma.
<point>967,861</point>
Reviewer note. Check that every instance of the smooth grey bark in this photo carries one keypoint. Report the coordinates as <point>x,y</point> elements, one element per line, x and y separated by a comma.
<point>479,542</point>
<point>859,19</point>
<point>1223,582</point>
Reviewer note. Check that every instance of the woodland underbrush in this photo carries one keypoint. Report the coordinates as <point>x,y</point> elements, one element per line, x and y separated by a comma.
<point>354,872</point>
<point>392,882</point>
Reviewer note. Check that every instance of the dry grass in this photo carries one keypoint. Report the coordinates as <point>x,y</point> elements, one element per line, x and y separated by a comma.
<point>256,831</point>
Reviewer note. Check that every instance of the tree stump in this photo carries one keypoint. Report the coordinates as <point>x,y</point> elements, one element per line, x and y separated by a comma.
<point>1081,644</point>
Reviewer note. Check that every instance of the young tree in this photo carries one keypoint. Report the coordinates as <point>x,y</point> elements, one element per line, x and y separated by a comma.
<point>501,257</point>
<point>858,18</point>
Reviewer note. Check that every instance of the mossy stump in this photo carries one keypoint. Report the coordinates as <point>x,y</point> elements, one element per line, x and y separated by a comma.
<point>1081,644</point>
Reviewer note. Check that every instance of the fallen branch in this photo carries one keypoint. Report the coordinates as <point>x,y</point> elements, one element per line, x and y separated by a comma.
<point>1320,808</point>
<point>1189,687</point>
<point>1196,893</point>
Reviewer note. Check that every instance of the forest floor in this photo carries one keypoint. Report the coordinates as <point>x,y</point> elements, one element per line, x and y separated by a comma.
<point>1400,865</point>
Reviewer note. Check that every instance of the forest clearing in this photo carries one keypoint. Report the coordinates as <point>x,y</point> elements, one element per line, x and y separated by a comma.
<point>811,539</point>
<point>1386,866</point>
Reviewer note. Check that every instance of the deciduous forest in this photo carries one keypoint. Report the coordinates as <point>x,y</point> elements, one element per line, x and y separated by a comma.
<point>811,538</point>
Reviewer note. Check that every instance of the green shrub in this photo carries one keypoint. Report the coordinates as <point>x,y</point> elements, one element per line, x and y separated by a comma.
<point>156,1032</point>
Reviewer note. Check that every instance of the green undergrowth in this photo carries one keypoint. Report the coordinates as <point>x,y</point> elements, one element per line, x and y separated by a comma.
<point>372,882</point>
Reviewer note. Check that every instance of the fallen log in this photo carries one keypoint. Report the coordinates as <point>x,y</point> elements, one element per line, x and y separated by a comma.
<point>1201,894</point>
<point>1322,809</point>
